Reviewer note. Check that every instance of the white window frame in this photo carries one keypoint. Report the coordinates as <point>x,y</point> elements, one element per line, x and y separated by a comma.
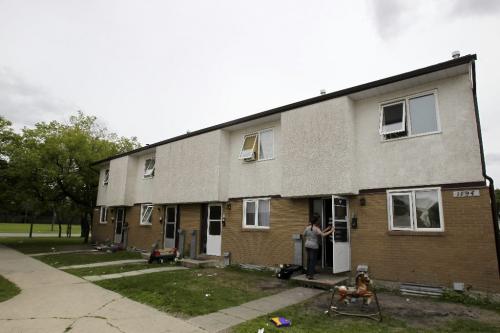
<point>413,218</point>
<point>103,217</point>
<point>407,116</point>
<point>145,206</point>
<point>146,168</point>
<point>106,177</point>
<point>403,121</point>
<point>257,142</point>
<point>256,224</point>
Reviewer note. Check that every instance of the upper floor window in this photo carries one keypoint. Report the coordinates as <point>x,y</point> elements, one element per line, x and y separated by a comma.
<point>104,215</point>
<point>410,116</point>
<point>106,177</point>
<point>258,146</point>
<point>146,214</point>
<point>149,168</point>
<point>256,213</point>
<point>415,209</point>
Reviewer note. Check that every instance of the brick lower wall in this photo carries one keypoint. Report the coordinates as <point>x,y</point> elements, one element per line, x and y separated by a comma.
<point>190,215</point>
<point>143,236</point>
<point>464,252</point>
<point>102,232</point>
<point>265,247</point>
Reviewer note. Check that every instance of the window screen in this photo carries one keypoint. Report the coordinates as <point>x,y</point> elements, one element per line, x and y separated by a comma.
<point>250,213</point>
<point>393,118</point>
<point>427,206</point>
<point>423,114</point>
<point>147,211</point>
<point>266,145</point>
<point>149,168</point>
<point>106,176</point>
<point>401,211</point>
<point>263,218</point>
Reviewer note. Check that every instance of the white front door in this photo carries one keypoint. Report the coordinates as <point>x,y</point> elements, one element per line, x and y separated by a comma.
<point>214,229</point>
<point>170,226</point>
<point>119,219</point>
<point>341,237</point>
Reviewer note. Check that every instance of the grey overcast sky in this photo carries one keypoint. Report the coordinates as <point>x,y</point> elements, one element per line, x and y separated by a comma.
<point>155,69</point>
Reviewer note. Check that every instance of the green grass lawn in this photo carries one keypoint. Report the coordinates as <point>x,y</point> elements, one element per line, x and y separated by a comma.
<point>7,289</point>
<point>196,291</point>
<point>111,269</point>
<point>45,244</point>
<point>308,319</point>
<point>37,228</point>
<point>67,259</point>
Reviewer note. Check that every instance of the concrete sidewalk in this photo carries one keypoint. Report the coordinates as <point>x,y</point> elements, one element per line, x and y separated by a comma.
<point>53,301</point>
<point>94,278</point>
<point>223,319</point>
<point>106,263</point>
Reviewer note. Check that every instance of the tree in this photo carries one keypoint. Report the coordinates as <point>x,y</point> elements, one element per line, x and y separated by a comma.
<point>50,165</point>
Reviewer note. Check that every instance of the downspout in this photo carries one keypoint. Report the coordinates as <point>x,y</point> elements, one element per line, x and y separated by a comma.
<point>494,212</point>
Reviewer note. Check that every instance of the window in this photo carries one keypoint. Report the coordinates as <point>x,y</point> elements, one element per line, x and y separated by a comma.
<point>411,116</point>
<point>106,177</point>
<point>149,168</point>
<point>415,210</point>
<point>258,146</point>
<point>146,214</point>
<point>256,213</point>
<point>104,215</point>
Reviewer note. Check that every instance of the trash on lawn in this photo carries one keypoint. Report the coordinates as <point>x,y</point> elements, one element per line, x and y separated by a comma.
<point>207,295</point>
<point>281,322</point>
<point>199,274</point>
<point>261,330</point>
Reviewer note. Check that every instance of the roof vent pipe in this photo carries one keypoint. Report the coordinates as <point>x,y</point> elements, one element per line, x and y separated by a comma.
<point>322,92</point>
<point>455,54</point>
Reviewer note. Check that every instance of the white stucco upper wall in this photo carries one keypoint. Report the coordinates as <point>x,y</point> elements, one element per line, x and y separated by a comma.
<point>113,194</point>
<point>317,153</point>
<point>256,178</point>
<point>452,156</point>
<point>188,170</point>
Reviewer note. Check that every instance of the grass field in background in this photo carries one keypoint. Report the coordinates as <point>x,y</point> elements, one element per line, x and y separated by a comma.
<point>37,228</point>
<point>44,244</point>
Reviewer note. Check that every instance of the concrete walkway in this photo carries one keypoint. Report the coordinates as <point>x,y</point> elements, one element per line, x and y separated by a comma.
<point>226,318</point>
<point>94,278</point>
<point>53,301</point>
<point>106,263</point>
<point>61,252</point>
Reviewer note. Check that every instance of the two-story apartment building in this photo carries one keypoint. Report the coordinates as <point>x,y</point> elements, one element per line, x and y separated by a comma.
<point>396,165</point>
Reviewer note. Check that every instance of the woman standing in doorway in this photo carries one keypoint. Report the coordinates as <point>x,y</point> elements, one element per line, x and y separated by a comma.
<point>312,236</point>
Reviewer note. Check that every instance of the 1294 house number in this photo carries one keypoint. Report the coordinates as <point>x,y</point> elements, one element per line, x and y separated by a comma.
<point>464,194</point>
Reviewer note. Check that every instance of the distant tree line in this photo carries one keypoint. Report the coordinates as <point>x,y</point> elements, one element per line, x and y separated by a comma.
<point>47,168</point>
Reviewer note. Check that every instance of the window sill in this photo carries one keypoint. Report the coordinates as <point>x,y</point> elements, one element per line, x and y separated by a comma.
<point>103,222</point>
<point>147,177</point>
<point>145,224</point>
<point>409,137</point>
<point>255,229</point>
<point>415,233</point>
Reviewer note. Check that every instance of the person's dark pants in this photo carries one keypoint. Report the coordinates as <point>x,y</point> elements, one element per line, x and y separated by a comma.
<point>312,258</point>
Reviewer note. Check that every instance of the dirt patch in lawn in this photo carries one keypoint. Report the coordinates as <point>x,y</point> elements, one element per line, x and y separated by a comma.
<point>415,311</point>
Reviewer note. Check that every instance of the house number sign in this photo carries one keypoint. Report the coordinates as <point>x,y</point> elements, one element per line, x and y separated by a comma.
<point>464,194</point>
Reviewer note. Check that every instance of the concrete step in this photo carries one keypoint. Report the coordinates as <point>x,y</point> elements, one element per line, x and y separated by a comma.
<point>321,281</point>
<point>200,263</point>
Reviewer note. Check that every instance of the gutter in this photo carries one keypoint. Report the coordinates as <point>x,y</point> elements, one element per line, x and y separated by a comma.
<point>494,212</point>
<point>339,93</point>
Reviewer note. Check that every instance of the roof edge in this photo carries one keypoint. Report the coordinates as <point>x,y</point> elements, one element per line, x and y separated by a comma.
<point>339,93</point>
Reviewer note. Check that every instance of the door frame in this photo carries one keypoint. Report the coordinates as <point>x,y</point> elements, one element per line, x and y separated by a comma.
<point>208,227</point>
<point>116,225</point>
<point>175,223</point>
<point>348,233</point>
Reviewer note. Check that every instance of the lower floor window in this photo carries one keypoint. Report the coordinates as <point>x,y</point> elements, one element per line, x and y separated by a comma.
<point>415,209</point>
<point>104,214</point>
<point>146,213</point>
<point>256,213</point>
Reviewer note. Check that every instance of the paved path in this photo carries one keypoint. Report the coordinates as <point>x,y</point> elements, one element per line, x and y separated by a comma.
<point>53,301</point>
<point>94,278</point>
<point>106,263</point>
<point>61,252</point>
<point>226,318</point>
